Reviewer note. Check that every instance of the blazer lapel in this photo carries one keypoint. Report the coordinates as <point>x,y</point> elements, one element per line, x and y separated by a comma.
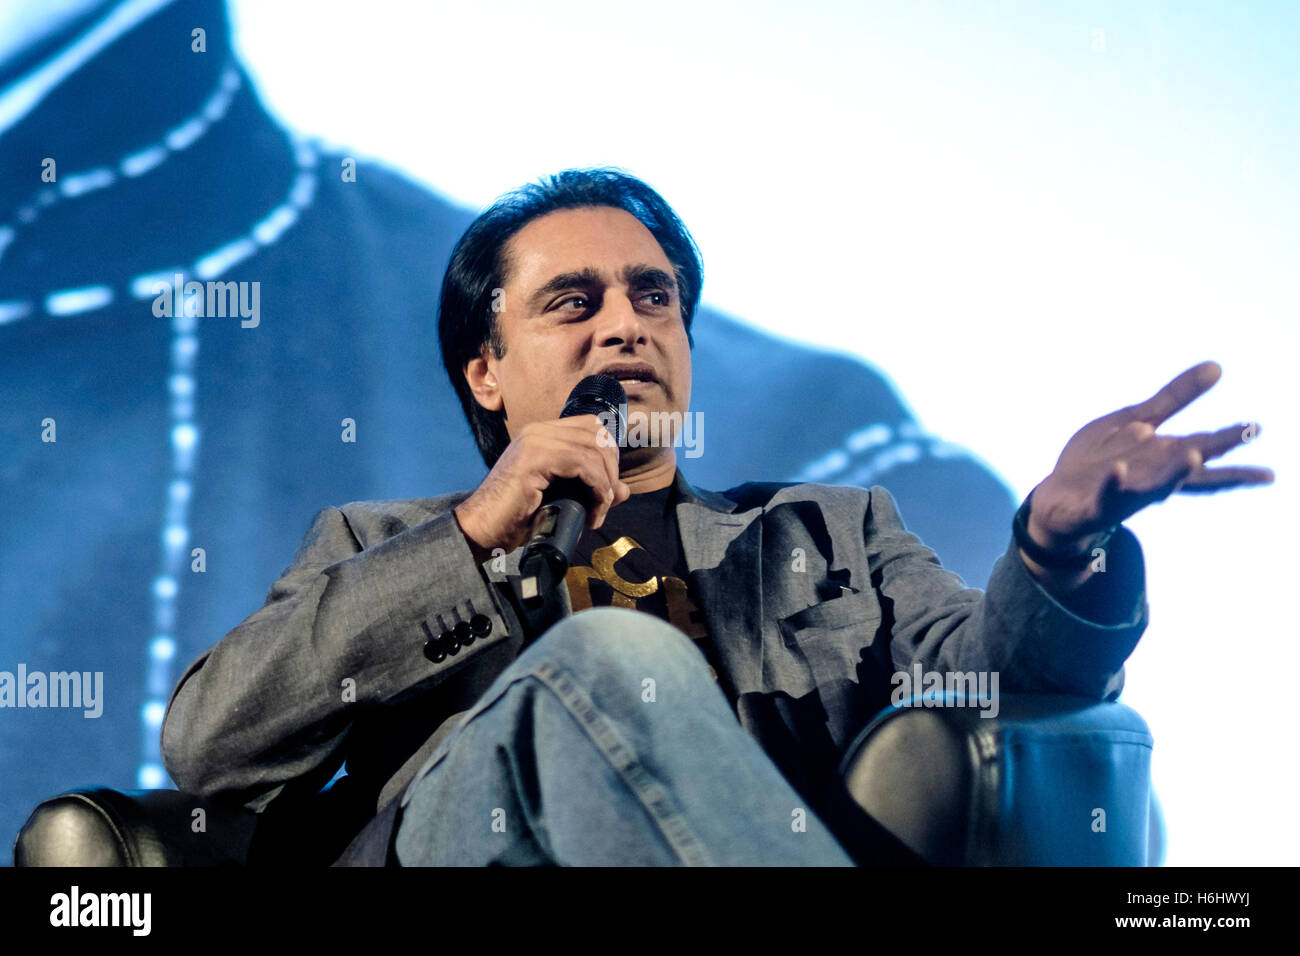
<point>723,549</point>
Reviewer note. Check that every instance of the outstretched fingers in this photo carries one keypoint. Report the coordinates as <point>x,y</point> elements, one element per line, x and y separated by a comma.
<point>1184,389</point>
<point>1209,480</point>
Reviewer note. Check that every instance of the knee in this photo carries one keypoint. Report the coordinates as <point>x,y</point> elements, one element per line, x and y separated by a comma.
<point>622,640</point>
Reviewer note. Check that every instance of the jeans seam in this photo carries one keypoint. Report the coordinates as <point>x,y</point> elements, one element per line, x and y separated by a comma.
<point>533,830</point>
<point>649,792</point>
<point>444,747</point>
<point>654,797</point>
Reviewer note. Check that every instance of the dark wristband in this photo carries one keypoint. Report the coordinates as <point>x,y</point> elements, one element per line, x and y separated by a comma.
<point>1052,559</point>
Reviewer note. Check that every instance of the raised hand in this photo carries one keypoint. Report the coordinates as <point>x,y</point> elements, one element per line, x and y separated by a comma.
<point>1117,465</point>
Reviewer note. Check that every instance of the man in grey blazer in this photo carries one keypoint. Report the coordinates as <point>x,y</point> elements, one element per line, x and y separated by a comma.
<point>700,717</point>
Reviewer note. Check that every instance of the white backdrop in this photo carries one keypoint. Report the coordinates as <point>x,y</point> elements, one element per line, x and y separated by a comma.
<point>1025,214</point>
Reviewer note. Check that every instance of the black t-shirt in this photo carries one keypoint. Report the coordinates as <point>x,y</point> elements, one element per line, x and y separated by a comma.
<point>635,560</point>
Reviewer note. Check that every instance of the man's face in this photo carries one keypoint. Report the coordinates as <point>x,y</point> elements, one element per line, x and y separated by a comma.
<point>586,289</point>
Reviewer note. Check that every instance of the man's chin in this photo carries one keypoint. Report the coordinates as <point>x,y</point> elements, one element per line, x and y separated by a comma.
<point>652,417</point>
<point>641,456</point>
<point>630,456</point>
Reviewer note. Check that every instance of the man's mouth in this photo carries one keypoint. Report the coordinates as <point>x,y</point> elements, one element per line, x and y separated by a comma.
<point>631,374</point>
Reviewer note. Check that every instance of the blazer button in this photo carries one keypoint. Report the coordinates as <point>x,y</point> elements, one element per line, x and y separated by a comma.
<point>449,643</point>
<point>463,634</point>
<point>481,625</point>
<point>434,652</point>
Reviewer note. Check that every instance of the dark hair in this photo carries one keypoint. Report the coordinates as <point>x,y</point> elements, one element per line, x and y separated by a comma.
<point>466,320</point>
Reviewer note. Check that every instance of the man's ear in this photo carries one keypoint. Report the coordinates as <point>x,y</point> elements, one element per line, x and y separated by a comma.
<point>483,381</point>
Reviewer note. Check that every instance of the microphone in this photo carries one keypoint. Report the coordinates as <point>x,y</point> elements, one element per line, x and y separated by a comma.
<point>560,520</point>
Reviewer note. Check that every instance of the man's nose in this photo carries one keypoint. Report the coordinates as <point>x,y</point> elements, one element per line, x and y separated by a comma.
<point>619,321</point>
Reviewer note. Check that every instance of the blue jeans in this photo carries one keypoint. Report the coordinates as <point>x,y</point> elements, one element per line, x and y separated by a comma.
<point>607,743</point>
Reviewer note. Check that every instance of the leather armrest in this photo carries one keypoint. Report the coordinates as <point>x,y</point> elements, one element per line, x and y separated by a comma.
<point>1051,780</point>
<point>97,826</point>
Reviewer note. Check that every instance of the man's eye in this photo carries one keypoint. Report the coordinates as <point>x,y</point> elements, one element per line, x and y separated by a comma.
<point>572,298</point>
<point>662,296</point>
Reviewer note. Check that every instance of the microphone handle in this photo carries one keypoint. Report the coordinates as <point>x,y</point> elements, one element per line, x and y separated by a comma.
<point>553,537</point>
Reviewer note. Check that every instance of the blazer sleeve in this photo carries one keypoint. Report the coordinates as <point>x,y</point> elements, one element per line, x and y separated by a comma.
<point>342,631</point>
<point>1014,626</point>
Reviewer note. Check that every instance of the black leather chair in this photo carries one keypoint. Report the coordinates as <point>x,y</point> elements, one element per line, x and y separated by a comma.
<point>1051,780</point>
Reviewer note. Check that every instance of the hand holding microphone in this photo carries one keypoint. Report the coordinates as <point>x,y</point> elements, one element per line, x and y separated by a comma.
<point>553,479</point>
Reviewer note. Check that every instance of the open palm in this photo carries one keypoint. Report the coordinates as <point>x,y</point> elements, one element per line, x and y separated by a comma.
<point>1118,464</point>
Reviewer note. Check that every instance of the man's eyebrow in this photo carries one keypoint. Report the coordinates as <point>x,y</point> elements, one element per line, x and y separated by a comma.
<point>641,276</point>
<point>637,276</point>
<point>565,280</point>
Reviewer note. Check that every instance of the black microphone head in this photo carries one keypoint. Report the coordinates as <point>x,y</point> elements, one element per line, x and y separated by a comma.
<point>600,395</point>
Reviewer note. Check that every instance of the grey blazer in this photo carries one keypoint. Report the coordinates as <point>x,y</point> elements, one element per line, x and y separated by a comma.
<point>815,596</point>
